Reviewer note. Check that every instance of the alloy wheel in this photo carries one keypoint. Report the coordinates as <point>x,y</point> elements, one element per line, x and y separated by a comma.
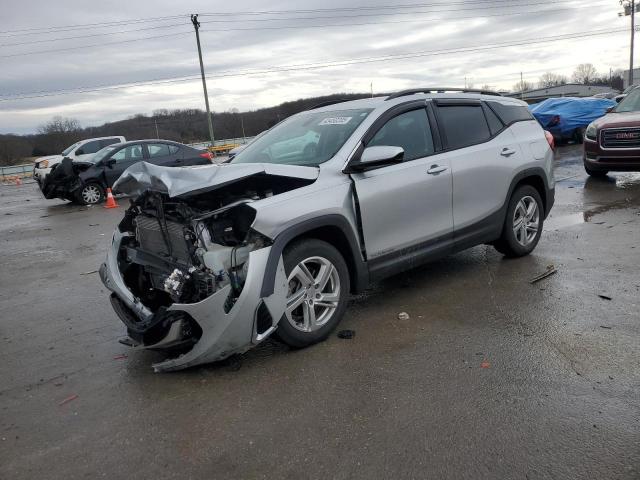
<point>314,294</point>
<point>526,220</point>
<point>90,194</point>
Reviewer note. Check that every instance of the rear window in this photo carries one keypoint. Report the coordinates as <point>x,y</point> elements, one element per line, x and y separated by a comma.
<point>464,125</point>
<point>511,113</point>
<point>109,141</point>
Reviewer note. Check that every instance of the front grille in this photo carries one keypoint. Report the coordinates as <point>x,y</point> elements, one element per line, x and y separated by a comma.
<point>621,138</point>
<point>151,238</point>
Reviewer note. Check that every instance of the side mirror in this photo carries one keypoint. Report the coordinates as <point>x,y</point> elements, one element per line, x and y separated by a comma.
<point>375,157</point>
<point>610,109</point>
<point>110,163</point>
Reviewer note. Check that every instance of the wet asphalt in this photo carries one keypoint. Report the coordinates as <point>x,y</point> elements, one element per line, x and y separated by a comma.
<point>489,377</point>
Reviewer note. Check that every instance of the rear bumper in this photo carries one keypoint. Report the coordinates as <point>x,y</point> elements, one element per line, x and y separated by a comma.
<point>223,332</point>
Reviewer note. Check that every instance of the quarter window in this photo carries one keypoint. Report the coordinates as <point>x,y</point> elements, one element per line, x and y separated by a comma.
<point>464,125</point>
<point>90,147</point>
<point>158,149</point>
<point>510,113</point>
<point>409,130</point>
<point>495,125</point>
<point>173,149</point>
<point>129,153</point>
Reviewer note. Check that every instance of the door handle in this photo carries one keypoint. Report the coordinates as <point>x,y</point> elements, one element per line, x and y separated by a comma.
<point>436,169</point>
<point>507,152</point>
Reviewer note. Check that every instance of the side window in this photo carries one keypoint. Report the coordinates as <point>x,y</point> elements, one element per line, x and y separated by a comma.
<point>510,113</point>
<point>158,149</point>
<point>495,125</point>
<point>463,125</point>
<point>409,130</point>
<point>129,153</point>
<point>89,148</point>
<point>173,149</point>
<point>109,141</point>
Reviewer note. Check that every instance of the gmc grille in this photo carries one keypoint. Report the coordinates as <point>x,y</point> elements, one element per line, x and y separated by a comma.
<point>621,138</point>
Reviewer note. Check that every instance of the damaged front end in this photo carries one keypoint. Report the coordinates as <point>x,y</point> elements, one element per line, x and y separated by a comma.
<point>186,273</point>
<point>64,181</point>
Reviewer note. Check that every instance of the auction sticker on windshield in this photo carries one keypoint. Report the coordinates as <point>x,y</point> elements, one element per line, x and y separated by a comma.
<point>335,121</point>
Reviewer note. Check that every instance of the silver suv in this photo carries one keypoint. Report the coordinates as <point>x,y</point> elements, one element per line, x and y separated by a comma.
<point>209,261</point>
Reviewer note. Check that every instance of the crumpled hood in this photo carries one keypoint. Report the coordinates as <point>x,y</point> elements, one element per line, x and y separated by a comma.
<point>50,158</point>
<point>176,181</point>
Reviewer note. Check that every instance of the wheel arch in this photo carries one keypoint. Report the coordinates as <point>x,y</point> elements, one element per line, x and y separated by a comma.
<point>333,229</point>
<point>536,178</point>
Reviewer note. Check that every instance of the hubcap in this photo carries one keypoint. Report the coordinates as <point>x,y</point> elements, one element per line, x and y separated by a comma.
<point>526,220</point>
<point>314,293</point>
<point>90,194</point>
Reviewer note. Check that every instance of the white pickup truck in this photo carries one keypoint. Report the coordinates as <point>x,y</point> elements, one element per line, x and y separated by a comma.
<point>82,150</point>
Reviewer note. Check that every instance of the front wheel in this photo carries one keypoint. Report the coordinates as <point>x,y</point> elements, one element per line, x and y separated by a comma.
<point>523,223</point>
<point>318,290</point>
<point>91,194</point>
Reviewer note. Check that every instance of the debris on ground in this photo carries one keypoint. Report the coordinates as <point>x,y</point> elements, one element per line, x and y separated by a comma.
<point>403,316</point>
<point>606,327</point>
<point>485,364</point>
<point>120,357</point>
<point>89,272</point>
<point>67,400</point>
<point>551,269</point>
<point>346,334</point>
<point>604,297</point>
<point>94,224</point>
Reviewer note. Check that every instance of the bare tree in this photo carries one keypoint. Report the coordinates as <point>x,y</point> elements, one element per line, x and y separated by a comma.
<point>57,134</point>
<point>585,73</point>
<point>522,86</point>
<point>551,80</point>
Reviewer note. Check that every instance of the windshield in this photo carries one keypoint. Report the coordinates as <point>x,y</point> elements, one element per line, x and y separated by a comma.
<point>630,103</point>
<point>308,139</point>
<point>100,154</point>
<point>69,149</point>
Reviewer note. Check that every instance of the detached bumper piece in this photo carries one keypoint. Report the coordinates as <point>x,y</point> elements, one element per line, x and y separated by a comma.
<point>209,330</point>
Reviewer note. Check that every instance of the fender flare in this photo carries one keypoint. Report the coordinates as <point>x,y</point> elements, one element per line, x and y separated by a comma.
<point>539,172</point>
<point>360,273</point>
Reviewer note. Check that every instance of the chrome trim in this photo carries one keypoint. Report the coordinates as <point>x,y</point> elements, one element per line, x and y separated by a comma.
<point>601,139</point>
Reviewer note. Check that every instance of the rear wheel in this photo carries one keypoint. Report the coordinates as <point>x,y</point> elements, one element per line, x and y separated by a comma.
<point>523,223</point>
<point>91,194</point>
<point>318,289</point>
<point>595,173</point>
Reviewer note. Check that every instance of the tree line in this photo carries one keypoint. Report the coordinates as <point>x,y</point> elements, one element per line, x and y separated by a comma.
<point>585,73</point>
<point>181,125</point>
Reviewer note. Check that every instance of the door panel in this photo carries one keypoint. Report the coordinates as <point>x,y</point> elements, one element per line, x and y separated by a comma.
<point>124,158</point>
<point>403,205</point>
<point>481,177</point>
<point>407,204</point>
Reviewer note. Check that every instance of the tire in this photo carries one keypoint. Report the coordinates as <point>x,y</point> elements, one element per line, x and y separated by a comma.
<point>296,327</point>
<point>91,193</point>
<point>595,173</point>
<point>510,244</point>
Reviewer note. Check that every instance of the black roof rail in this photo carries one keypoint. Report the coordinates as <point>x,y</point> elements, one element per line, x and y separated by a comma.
<point>413,91</point>
<point>327,103</point>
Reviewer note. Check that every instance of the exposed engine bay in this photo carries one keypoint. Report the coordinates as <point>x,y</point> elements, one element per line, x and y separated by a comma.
<point>184,249</point>
<point>64,181</point>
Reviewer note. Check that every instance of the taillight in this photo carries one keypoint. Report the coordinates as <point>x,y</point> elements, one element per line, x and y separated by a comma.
<point>207,155</point>
<point>550,140</point>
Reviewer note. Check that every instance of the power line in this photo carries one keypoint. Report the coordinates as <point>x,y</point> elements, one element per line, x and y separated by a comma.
<point>55,29</point>
<point>47,40</point>
<point>319,65</point>
<point>79,47</point>
<point>281,27</point>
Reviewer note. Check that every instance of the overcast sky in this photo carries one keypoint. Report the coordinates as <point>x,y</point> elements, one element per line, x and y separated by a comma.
<point>40,63</point>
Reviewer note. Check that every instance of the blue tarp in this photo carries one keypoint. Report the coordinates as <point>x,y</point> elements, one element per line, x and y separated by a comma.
<point>562,116</point>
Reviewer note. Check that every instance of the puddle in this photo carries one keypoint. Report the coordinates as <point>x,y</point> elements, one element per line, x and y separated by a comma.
<point>563,221</point>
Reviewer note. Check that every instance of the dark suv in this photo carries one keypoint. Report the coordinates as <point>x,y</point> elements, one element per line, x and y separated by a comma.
<point>612,142</point>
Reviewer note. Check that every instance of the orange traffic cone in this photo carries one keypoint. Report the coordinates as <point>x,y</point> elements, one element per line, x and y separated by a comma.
<point>111,202</point>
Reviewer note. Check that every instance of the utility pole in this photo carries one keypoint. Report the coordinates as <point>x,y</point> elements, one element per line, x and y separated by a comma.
<point>521,87</point>
<point>196,26</point>
<point>630,10</point>
<point>157,134</point>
